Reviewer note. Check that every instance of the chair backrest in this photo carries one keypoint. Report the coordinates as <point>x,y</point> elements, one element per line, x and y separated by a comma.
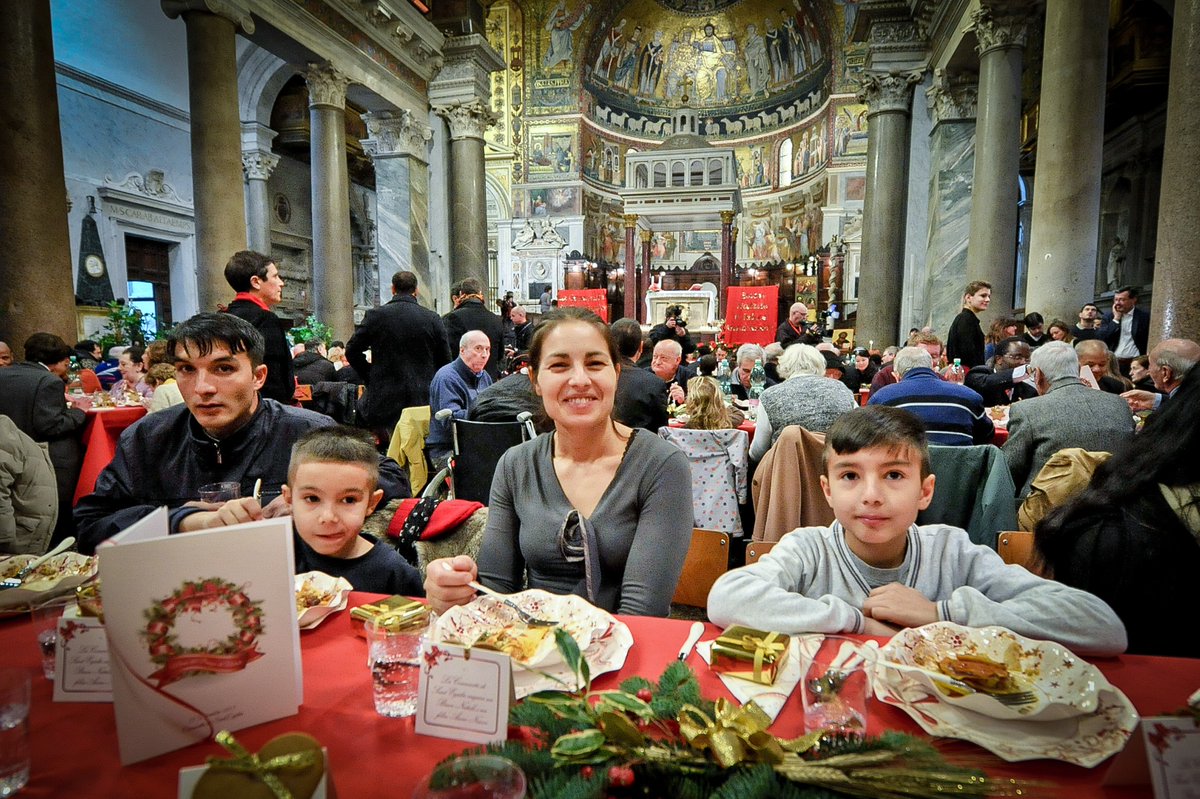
<point>303,393</point>
<point>477,449</point>
<point>707,559</point>
<point>974,491</point>
<point>335,399</point>
<point>719,462</point>
<point>89,382</point>
<point>756,549</point>
<point>787,486</point>
<point>1016,546</point>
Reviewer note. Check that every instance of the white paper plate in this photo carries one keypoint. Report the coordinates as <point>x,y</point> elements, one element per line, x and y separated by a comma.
<point>337,588</point>
<point>70,570</point>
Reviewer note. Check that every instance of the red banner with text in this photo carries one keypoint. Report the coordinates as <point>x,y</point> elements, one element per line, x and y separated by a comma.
<point>750,315</point>
<point>593,299</point>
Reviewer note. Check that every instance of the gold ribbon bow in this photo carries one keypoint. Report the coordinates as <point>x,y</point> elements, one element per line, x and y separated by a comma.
<point>733,733</point>
<point>249,763</point>
<point>762,648</point>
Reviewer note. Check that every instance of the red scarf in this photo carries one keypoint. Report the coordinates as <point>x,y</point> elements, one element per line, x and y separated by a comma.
<point>245,295</point>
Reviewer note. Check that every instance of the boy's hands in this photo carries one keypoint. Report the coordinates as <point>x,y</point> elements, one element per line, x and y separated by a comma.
<point>873,627</point>
<point>900,605</point>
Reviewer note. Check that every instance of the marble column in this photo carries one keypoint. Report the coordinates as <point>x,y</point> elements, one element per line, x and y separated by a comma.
<point>333,268</point>
<point>399,147</point>
<point>992,253</point>
<point>726,277</point>
<point>257,167</point>
<point>888,96</point>
<point>1070,145</point>
<point>1174,313</point>
<point>468,195</point>
<point>36,291</point>
<point>645,236</point>
<point>220,204</point>
<point>632,278</point>
<point>952,156</point>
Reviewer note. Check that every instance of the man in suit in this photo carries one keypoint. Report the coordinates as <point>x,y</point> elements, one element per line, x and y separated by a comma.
<point>641,399</point>
<point>259,288</point>
<point>1170,361</point>
<point>1009,381</point>
<point>470,314</point>
<point>408,346</point>
<point>1067,414</point>
<point>31,394</point>
<point>1130,331</point>
<point>665,364</point>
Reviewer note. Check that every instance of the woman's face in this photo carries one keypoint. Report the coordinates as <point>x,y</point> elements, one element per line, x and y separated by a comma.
<point>1137,371</point>
<point>1057,333</point>
<point>131,371</point>
<point>576,377</point>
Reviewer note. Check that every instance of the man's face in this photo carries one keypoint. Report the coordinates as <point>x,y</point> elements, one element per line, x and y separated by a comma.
<point>665,362</point>
<point>61,368</point>
<point>980,300</point>
<point>745,367</point>
<point>1016,355</point>
<point>518,316</point>
<point>97,353</point>
<point>934,350</point>
<point>1123,302</point>
<point>1158,373</point>
<point>797,315</point>
<point>220,388</point>
<point>6,356</point>
<point>475,354</point>
<point>1090,312</point>
<point>1036,332</point>
<point>1096,361</point>
<point>270,288</point>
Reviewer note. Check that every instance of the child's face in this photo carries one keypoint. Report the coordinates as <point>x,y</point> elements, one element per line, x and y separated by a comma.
<point>876,493</point>
<point>329,503</point>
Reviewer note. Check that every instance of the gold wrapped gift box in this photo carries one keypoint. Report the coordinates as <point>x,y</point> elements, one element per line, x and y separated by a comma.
<point>395,611</point>
<point>755,655</point>
<point>291,765</point>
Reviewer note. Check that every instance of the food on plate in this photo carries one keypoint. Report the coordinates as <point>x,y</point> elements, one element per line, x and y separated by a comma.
<point>981,672</point>
<point>521,644</point>
<point>68,564</point>
<point>310,595</point>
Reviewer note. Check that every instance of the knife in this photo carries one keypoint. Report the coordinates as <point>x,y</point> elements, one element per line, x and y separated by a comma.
<point>693,637</point>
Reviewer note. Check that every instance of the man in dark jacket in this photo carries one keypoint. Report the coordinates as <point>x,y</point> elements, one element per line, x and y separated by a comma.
<point>641,399</point>
<point>312,366</point>
<point>259,288</point>
<point>224,432</point>
<point>408,346</point>
<point>470,314</point>
<point>1010,380</point>
<point>31,394</point>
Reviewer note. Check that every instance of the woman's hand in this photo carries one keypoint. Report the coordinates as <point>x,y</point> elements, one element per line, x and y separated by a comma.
<point>446,582</point>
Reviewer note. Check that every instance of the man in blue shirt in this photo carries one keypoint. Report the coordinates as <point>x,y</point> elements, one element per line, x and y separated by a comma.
<point>455,387</point>
<point>953,414</point>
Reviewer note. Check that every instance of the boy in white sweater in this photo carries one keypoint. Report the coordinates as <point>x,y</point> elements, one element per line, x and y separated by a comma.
<point>875,571</point>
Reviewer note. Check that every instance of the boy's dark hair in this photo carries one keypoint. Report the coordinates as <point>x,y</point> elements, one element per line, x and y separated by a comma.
<point>337,444</point>
<point>46,348</point>
<point>205,330</point>
<point>245,265</point>
<point>404,283</point>
<point>1034,319</point>
<point>876,426</point>
<point>708,365</point>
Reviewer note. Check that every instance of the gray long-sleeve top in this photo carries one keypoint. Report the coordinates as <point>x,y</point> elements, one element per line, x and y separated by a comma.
<point>812,582</point>
<point>643,524</point>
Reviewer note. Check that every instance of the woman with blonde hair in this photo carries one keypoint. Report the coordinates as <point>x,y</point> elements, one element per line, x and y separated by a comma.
<point>706,407</point>
<point>1058,330</point>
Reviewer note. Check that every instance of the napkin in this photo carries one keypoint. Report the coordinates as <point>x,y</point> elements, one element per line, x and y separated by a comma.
<point>770,698</point>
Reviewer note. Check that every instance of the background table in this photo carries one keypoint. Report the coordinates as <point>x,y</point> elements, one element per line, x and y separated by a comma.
<point>100,434</point>
<point>75,746</point>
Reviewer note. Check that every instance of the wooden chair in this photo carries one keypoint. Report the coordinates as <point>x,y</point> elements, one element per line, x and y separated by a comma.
<point>756,549</point>
<point>707,559</point>
<point>1016,546</point>
<point>303,393</point>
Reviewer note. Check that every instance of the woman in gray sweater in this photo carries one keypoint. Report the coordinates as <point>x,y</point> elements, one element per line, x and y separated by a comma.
<point>805,397</point>
<point>594,508</point>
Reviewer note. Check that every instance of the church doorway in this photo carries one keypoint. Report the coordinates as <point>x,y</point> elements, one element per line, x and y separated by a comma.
<point>148,278</point>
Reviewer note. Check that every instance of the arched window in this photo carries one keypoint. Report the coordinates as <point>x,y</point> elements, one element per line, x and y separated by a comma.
<point>660,176</point>
<point>697,173</point>
<point>641,176</point>
<point>677,173</point>
<point>716,172</point>
<point>785,163</point>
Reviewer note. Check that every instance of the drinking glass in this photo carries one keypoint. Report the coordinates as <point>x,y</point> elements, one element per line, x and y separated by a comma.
<point>14,731</point>
<point>394,657</point>
<point>45,626</point>
<point>836,684</point>
<point>220,492</point>
<point>474,777</point>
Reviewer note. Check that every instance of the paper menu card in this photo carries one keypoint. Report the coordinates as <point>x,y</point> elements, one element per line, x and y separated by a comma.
<point>202,634</point>
<point>81,665</point>
<point>463,693</point>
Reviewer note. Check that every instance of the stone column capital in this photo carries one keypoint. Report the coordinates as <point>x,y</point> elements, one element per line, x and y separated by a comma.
<point>645,235</point>
<point>466,120</point>
<point>326,86</point>
<point>465,75</point>
<point>631,220</point>
<point>999,28</point>
<point>888,91</point>
<point>396,133</point>
<point>727,217</point>
<point>953,97</point>
<point>258,165</point>
<point>227,9</point>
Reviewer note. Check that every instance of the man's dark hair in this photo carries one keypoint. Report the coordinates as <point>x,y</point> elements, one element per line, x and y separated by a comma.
<point>245,265</point>
<point>628,335</point>
<point>876,426</point>
<point>86,345</point>
<point>470,285</point>
<point>46,348</point>
<point>1130,290</point>
<point>337,343</point>
<point>404,282</point>
<point>1034,319</point>
<point>1003,347</point>
<point>455,289</point>
<point>207,330</point>
<point>1089,305</point>
<point>339,444</point>
<point>312,345</point>
<point>702,350</point>
<point>708,365</point>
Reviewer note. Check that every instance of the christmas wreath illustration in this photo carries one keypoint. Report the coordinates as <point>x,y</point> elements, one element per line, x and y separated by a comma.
<point>232,654</point>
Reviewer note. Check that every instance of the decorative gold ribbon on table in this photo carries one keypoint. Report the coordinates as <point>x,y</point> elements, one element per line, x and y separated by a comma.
<point>765,646</point>
<point>247,762</point>
<point>736,734</point>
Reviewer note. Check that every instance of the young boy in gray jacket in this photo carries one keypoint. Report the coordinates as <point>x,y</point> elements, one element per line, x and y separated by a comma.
<point>875,571</point>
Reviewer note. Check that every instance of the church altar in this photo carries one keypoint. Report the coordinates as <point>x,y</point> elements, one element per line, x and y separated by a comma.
<point>699,306</point>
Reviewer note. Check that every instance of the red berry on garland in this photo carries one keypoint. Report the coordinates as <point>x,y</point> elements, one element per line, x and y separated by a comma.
<point>586,772</point>
<point>620,776</point>
<point>645,694</point>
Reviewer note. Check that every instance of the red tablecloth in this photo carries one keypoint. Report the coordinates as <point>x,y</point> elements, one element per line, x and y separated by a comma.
<point>1000,437</point>
<point>100,435</point>
<point>75,746</point>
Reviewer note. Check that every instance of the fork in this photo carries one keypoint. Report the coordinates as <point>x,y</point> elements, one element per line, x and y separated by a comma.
<point>16,581</point>
<point>1013,699</point>
<point>527,617</point>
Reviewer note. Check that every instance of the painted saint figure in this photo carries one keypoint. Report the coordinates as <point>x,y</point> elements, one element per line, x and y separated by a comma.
<point>562,25</point>
<point>627,63</point>
<point>777,48</point>
<point>758,65</point>
<point>609,51</point>
<point>650,65</point>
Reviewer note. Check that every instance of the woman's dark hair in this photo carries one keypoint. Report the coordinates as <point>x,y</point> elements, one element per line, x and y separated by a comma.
<point>564,315</point>
<point>46,348</point>
<point>135,353</point>
<point>206,330</point>
<point>1164,452</point>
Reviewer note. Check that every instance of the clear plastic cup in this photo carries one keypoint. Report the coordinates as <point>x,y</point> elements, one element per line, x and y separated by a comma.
<point>14,730</point>
<point>220,492</point>
<point>45,616</point>
<point>474,777</point>
<point>836,684</point>
<point>394,657</point>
